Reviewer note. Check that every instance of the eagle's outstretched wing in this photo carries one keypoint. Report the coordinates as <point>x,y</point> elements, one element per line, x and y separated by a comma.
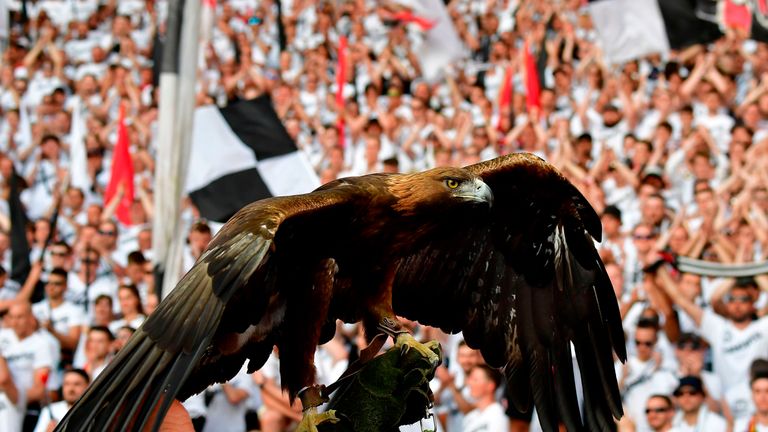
<point>522,286</point>
<point>230,289</point>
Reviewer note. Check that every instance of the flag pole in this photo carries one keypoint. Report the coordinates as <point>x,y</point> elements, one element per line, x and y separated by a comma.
<point>177,104</point>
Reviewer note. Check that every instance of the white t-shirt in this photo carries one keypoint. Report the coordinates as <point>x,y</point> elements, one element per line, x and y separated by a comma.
<point>63,318</point>
<point>222,415</point>
<point>11,416</point>
<point>24,357</point>
<point>491,419</point>
<point>743,424</point>
<point>734,350</point>
<point>707,421</point>
<point>55,411</point>
<point>643,381</point>
<point>75,292</point>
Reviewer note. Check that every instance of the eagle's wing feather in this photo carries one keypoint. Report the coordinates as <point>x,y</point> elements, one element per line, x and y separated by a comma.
<point>523,285</point>
<point>165,352</point>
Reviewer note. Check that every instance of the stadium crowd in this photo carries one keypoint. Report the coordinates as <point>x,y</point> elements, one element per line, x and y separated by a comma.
<point>672,151</point>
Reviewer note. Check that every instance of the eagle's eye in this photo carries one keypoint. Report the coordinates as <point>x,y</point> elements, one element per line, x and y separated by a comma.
<point>451,183</point>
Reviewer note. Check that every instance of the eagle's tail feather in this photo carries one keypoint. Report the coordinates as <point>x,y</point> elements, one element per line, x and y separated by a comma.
<point>126,400</point>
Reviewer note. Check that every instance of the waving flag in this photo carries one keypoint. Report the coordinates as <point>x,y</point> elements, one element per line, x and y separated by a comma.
<point>122,173</point>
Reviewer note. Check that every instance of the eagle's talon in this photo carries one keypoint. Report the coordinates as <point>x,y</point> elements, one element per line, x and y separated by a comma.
<point>430,350</point>
<point>312,418</point>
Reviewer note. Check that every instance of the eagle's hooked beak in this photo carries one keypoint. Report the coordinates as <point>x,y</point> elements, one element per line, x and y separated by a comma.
<point>478,191</point>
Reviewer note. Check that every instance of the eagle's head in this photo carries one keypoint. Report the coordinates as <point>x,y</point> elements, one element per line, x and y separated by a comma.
<point>439,189</point>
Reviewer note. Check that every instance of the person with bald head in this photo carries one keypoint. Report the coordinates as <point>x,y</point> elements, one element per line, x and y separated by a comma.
<point>27,353</point>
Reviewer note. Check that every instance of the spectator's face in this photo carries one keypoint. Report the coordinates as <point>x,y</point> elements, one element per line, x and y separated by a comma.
<point>678,240</point>
<point>74,199</point>
<point>135,272</point>
<point>151,304</point>
<point>98,55</point>
<point>467,358</point>
<point>705,201</point>
<point>702,168</point>
<point>740,305</point>
<point>145,240</point>
<point>690,355</point>
<point>611,225</point>
<point>121,338</point>
<point>690,285</point>
<point>89,263</point>
<point>60,257</point>
<point>480,138</point>
<point>745,235</point>
<point>42,229</point>
<point>658,413</point>
<point>55,287</point>
<point>73,387</point>
<point>98,344</point>
<point>102,312</point>
<point>372,148</point>
<point>107,234</point>
<point>479,384</point>
<point>198,241</point>
<point>50,149</point>
<point>661,100</point>
<point>20,319</point>
<point>689,399</point>
<point>643,238</point>
<point>751,116</point>
<point>20,85</point>
<point>121,26</point>
<point>93,214</point>
<point>653,210</point>
<point>645,340</point>
<point>712,101</point>
<point>611,117</point>
<point>760,394</point>
<point>129,303</point>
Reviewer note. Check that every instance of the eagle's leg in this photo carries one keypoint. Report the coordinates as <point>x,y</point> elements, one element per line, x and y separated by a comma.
<point>404,341</point>
<point>382,317</point>
<point>311,306</point>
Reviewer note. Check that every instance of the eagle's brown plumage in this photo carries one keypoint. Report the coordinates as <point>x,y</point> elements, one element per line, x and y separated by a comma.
<point>514,269</point>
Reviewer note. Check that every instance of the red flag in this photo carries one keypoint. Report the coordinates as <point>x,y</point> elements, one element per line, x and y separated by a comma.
<point>505,96</point>
<point>122,173</point>
<point>532,88</point>
<point>737,16</point>
<point>341,78</point>
<point>408,17</point>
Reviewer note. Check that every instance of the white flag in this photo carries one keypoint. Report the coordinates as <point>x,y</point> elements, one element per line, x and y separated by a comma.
<point>78,157</point>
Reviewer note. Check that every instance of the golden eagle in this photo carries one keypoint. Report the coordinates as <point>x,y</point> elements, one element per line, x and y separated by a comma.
<point>502,251</point>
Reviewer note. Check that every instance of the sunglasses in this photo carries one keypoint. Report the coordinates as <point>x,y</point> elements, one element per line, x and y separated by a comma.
<point>61,254</point>
<point>687,393</point>
<point>89,261</point>
<point>646,343</point>
<point>656,410</point>
<point>643,236</point>
<point>740,299</point>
